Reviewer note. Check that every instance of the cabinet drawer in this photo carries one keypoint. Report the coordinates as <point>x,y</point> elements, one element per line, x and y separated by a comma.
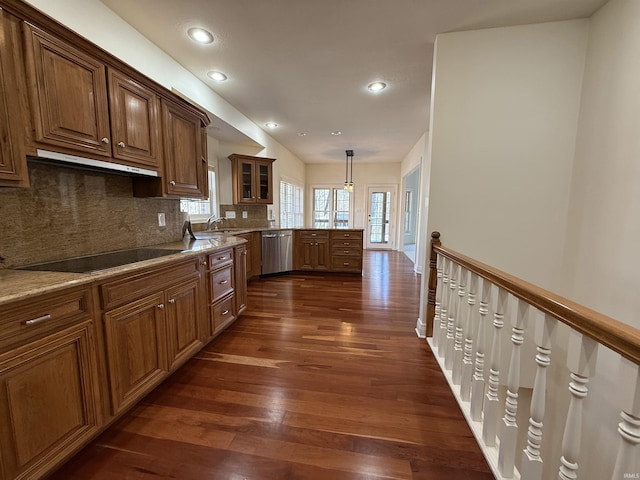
<point>348,250</point>
<point>220,283</point>
<point>313,234</point>
<point>346,264</point>
<point>348,235</point>
<point>39,316</point>
<point>218,259</point>
<point>132,287</point>
<point>222,314</point>
<point>347,242</point>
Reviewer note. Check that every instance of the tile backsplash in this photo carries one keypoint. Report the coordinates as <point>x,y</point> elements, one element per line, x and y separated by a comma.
<point>256,216</point>
<point>69,212</point>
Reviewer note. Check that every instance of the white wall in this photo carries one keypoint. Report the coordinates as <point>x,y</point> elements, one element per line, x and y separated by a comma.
<point>503,126</point>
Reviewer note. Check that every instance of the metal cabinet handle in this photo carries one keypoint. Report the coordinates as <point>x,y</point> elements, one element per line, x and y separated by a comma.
<point>346,244</point>
<point>203,263</point>
<point>225,312</point>
<point>346,251</point>
<point>222,282</point>
<point>121,144</point>
<point>314,234</point>
<point>347,235</point>
<point>172,300</point>
<point>222,258</point>
<point>35,321</point>
<point>346,264</point>
<point>172,182</point>
<point>161,306</point>
<point>105,140</point>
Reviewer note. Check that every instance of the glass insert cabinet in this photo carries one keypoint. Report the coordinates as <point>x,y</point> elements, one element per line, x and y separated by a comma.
<point>252,179</point>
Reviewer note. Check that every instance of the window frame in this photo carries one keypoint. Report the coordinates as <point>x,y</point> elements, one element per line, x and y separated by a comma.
<point>333,188</point>
<point>212,201</point>
<point>297,191</point>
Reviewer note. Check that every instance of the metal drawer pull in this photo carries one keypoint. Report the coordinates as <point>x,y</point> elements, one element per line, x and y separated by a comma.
<point>225,312</point>
<point>346,264</point>
<point>347,235</point>
<point>222,282</point>
<point>314,234</point>
<point>221,258</point>
<point>346,243</point>
<point>35,321</point>
<point>346,251</point>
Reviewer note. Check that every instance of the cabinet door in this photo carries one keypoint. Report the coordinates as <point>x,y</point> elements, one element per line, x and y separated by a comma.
<point>322,258</point>
<point>182,151</point>
<point>263,182</point>
<point>135,122</point>
<point>240,269</point>
<point>13,160</point>
<point>183,307</point>
<point>136,349</point>
<point>68,95</point>
<point>244,173</point>
<point>48,401</point>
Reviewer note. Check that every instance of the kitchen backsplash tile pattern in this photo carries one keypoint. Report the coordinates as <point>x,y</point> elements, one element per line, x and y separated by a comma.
<point>256,216</point>
<point>69,212</point>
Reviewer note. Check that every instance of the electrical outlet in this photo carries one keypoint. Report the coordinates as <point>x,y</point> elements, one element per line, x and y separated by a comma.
<point>162,221</point>
<point>230,215</point>
<point>245,214</point>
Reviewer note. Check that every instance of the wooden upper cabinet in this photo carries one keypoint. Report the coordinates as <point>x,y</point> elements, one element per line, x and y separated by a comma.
<point>252,179</point>
<point>68,91</point>
<point>183,163</point>
<point>13,160</point>
<point>135,121</point>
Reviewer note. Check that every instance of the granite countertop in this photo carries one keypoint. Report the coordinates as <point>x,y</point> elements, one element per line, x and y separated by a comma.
<point>19,284</point>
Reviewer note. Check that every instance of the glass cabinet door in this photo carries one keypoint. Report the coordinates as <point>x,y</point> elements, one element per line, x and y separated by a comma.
<point>246,181</point>
<point>263,172</point>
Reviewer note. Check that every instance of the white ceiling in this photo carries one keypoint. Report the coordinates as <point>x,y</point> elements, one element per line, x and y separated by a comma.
<point>305,64</point>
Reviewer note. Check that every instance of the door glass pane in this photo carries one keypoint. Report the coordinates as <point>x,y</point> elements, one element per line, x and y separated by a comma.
<point>321,207</point>
<point>246,180</point>
<point>263,177</point>
<point>379,221</point>
<point>341,213</point>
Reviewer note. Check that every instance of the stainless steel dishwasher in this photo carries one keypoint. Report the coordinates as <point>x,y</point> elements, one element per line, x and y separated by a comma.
<point>277,251</point>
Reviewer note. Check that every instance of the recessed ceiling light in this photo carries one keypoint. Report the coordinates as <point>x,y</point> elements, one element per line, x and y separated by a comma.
<point>217,76</point>
<point>200,35</point>
<point>376,86</point>
<point>337,132</point>
<point>302,134</point>
<point>271,124</point>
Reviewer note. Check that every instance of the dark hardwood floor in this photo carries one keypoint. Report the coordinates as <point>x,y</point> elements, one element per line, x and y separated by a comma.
<point>323,377</point>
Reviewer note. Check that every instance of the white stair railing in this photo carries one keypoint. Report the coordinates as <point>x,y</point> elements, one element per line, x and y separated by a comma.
<point>490,402</point>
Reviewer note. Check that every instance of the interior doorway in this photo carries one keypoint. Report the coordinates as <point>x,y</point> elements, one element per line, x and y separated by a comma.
<point>381,214</point>
<point>410,213</point>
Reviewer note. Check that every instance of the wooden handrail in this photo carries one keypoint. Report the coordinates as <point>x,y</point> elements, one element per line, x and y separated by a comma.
<point>618,336</point>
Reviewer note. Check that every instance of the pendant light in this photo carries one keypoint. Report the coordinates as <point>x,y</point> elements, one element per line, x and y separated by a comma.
<point>348,171</point>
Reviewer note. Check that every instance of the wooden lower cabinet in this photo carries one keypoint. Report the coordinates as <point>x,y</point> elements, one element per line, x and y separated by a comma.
<point>136,349</point>
<point>48,401</point>
<point>150,336</point>
<point>254,253</point>
<point>311,250</point>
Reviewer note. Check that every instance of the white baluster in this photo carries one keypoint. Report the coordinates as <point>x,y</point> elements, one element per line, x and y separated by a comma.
<point>451,319</point>
<point>492,403</point>
<point>629,428</point>
<point>444,307</point>
<point>581,360</point>
<point>509,427</point>
<point>439,289</point>
<point>456,374</point>
<point>531,465</point>
<point>470,329</point>
<point>477,385</point>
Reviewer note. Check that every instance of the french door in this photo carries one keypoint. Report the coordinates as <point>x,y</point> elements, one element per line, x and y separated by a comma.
<point>381,214</point>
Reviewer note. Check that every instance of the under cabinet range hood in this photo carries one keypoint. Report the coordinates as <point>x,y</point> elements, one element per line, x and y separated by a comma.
<point>91,164</point>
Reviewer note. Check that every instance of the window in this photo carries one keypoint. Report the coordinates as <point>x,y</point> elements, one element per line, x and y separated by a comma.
<point>200,210</point>
<point>291,207</point>
<point>331,207</point>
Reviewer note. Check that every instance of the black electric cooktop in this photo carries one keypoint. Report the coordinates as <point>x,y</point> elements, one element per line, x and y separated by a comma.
<point>102,261</point>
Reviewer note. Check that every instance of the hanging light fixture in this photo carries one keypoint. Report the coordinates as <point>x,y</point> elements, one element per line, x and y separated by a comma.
<point>348,171</point>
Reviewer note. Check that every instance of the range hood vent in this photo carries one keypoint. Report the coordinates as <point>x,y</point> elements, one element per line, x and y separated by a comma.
<point>92,164</point>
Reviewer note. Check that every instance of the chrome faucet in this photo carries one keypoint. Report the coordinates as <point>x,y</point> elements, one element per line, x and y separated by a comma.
<point>215,221</point>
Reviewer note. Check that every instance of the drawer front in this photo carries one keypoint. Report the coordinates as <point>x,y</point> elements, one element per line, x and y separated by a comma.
<point>348,250</point>
<point>346,264</point>
<point>313,234</point>
<point>220,258</point>
<point>132,287</point>
<point>222,314</point>
<point>346,235</point>
<point>347,243</point>
<point>220,283</point>
<point>40,316</point>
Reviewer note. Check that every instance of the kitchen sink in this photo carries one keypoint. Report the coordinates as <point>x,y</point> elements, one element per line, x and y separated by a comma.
<point>101,261</point>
